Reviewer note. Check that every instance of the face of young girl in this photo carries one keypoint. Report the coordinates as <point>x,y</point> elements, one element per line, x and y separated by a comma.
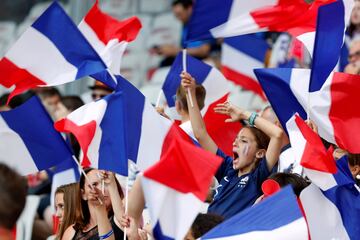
<point>244,149</point>
<point>96,182</point>
<point>59,206</point>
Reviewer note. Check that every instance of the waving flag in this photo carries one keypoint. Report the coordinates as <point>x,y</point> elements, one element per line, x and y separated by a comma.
<point>28,140</point>
<point>100,129</point>
<point>217,91</point>
<point>50,52</point>
<point>109,36</point>
<point>240,56</point>
<point>228,18</point>
<point>332,203</point>
<point>181,191</point>
<point>329,39</point>
<point>276,217</point>
<point>331,108</point>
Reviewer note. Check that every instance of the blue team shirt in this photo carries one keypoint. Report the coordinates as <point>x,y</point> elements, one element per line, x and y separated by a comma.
<point>234,193</point>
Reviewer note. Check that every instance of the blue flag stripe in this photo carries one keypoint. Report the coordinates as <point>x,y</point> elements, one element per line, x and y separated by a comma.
<point>35,127</point>
<point>56,25</point>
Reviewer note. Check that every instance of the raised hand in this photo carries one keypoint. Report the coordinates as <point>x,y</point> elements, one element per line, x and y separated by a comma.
<point>236,114</point>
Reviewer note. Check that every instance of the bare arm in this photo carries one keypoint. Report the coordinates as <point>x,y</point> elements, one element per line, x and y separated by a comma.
<point>196,119</point>
<point>274,132</point>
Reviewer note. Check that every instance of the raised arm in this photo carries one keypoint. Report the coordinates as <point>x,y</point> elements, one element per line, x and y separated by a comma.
<point>274,132</point>
<point>197,122</point>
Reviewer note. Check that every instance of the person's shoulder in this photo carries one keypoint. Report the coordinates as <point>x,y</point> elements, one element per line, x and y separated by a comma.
<point>69,233</point>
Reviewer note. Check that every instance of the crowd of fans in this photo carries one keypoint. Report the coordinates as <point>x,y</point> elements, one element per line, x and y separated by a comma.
<point>261,151</point>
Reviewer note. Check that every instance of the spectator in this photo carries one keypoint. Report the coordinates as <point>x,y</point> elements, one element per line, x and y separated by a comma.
<point>99,90</point>
<point>354,27</point>
<point>66,200</point>
<point>354,165</point>
<point>50,97</point>
<point>202,224</point>
<point>100,213</point>
<point>256,151</point>
<point>182,10</point>
<point>354,58</point>
<point>13,197</point>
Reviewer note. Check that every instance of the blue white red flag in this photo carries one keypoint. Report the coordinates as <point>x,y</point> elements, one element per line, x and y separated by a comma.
<point>332,21</point>
<point>52,51</point>
<point>331,108</point>
<point>228,18</point>
<point>28,140</point>
<point>180,192</point>
<point>100,129</point>
<point>109,36</point>
<point>276,217</point>
<point>331,203</point>
<point>240,56</point>
<point>217,90</point>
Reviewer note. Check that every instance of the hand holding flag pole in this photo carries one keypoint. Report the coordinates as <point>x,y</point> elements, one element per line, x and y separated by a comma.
<point>185,70</point>
<point>86,177</point>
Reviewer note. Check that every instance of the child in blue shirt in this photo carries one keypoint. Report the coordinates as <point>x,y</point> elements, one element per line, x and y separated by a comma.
<point>256,151</point>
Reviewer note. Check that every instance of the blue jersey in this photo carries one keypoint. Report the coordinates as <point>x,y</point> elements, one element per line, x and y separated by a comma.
<point>234,193</point>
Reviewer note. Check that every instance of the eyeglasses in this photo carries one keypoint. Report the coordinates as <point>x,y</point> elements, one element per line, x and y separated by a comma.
<point>97,96</point>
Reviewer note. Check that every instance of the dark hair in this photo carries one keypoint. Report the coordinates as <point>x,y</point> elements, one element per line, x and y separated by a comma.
<point>204,223</point>
<point>297,182</point>
<point>49,92</point>
<point>354,159</point>
<point>184,3</point>
<point>200,94</point>
<point>13,191</point>
<point>3,99</point>
<point>262,140</point>
<point>72,102</point>
<point>84,218</point>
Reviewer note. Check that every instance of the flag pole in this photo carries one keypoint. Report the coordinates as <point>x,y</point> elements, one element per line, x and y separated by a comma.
<point>86,177</point>
<point>159,98</point>
<point>185,70</point>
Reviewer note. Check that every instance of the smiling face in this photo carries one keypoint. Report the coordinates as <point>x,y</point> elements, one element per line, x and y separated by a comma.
<point>244,149</point>
<point>95,182</point>
<point>59,207</point>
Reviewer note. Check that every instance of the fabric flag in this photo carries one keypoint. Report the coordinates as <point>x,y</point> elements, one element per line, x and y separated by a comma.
<point>28,140</point>
<point>329,39</point>
<point>100,128</point>
<point>332,213</point>
<point>311,153</point>
<point>240,55</point>
<point>180,192</point>
<point>332,108</point>
<point>217,91</point>
<point>52,51</point>
<point>276,217</point>
<point>109,36</point>
<point>228,18</point>
<point>146,129</point>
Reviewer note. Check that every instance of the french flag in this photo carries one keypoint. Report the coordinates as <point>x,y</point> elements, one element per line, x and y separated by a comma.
<point>28,140</point>
<point>332,21</point>
<point>180,193</point>
<point>331,203</point>
<point>52,51</point>
<point>240,56</point>
<point>331,108</point>
<point>217,91</point>
<point>109,36</point>
<point>228,18</point>
<point>276,217</point>
<point>100,129</point>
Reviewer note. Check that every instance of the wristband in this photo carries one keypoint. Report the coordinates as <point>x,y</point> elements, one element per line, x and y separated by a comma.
<point>252,118</point>
<point>107,235</point>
